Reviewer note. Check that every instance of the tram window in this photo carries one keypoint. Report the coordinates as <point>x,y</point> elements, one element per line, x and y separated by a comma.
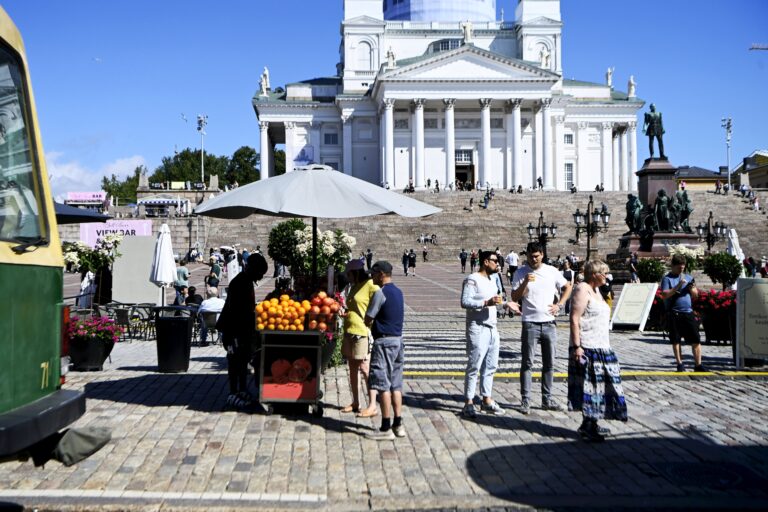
<point>19,211</point>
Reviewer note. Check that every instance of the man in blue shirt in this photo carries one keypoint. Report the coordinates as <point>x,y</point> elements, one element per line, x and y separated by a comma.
<point>385,316</point>
<point>679,291</point>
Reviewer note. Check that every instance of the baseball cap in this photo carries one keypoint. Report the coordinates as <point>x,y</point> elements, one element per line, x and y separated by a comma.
<point>355,264</point>
<point>382,266</point>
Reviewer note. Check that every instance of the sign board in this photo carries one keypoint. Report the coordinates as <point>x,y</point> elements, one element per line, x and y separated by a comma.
<point>87,196</point>
<point>751,319</point>
<point>634,305</point>
<point>132,270</point>
<point>91,232</point>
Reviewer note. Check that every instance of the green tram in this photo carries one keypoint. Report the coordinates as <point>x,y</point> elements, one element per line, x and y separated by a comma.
<point>33,405</point>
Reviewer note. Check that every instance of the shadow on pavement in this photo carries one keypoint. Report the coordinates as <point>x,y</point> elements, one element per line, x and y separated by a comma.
<point>632,472</point>
<point>205,393</point>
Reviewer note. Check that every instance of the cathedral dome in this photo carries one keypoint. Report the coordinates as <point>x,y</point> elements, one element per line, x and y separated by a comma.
<point>440,10</point>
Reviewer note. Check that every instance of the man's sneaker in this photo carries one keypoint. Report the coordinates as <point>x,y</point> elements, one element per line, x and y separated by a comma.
<point>469,411</point>
<point>492,408</point>
<point>552,405</point>
<point>525,407</point>
<point>700,368</point>
<point>399,430</point>
<point>387,435</point>
<point>680,367</point>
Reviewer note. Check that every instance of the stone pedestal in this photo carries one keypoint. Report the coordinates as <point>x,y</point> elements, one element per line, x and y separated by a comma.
<point>656,245</point>
<point>656,174</point>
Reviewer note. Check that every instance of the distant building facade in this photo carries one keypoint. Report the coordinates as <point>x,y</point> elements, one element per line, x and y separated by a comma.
<point>422,95</point>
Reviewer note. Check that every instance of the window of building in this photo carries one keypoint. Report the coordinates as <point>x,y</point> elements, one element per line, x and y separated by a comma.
<point>568,175</point>
<point>364,56</point>
<point>568,138</point>
<point>331,139</point>
<point>430,124</point>
<point>463,156</point>
<point>497,123</point>
<point>401,124</point>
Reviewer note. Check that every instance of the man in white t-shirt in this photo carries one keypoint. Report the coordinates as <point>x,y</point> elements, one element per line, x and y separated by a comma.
<point>536,285</point>
<point>512,261</point>
<point>211,304</point>
<point>480,293</point>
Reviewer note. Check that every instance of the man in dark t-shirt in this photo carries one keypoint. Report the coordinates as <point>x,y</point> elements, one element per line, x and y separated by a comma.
<point>237,323</point>
<point>385,316</point>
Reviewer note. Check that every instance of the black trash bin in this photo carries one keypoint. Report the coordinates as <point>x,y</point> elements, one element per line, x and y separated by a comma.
<point>173,325</point>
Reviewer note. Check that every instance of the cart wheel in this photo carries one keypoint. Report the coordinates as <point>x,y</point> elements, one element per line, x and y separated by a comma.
<point>317,410</point>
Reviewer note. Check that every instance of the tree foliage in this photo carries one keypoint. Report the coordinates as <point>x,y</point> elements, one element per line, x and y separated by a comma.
<point>650,270</point>
<point>124,190</point>
<point>185,166</point>
<point>242,167</point>
<point>723,268</point>
<point>283,242</point>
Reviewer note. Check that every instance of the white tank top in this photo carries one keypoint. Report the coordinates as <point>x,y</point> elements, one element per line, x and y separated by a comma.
<point>594,324</point>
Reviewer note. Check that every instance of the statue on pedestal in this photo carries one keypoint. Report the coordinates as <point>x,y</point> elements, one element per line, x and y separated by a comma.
<point>686,210</point>
<point>466,28</point>
<point>675,209</point>
<point>654,127</point>
<point>634,209</point>
<point>390,58</point>
<point>609,77</point>
<point>661,211</point>
<point>631,86</point>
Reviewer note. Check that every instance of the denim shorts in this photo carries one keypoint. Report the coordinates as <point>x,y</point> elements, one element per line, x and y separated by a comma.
<point>387,357</point>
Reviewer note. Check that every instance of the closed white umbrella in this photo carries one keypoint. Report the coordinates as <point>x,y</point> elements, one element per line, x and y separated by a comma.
<point>734,249</point>
<point>163,265</point>
<point>313,191</point>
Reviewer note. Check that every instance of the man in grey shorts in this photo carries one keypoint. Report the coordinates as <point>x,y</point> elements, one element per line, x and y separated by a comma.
<point>385,316</point>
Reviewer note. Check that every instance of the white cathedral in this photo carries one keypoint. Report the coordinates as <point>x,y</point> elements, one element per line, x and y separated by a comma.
<point>442,90</point>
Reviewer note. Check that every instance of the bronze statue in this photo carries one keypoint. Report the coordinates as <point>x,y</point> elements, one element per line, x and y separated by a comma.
<point>634,208</point>
<point>661,211</point>
<point>654,127</point>
<point>687,210</point>
<point>675,210</point>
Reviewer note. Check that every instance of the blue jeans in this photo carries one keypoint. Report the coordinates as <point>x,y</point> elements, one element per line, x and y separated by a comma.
<point>546,334</point>
<point>482,359</point>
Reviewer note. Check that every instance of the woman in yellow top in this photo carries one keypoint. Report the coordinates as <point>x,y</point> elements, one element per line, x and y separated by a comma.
<point>356,346</point>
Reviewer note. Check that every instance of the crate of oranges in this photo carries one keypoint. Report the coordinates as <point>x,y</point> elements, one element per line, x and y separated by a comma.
<point>282,314</point>
<point>322,312</point>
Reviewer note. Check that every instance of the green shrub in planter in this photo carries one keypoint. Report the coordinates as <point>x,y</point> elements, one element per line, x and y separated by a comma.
<point>723,268</point>
<point>650,270</point>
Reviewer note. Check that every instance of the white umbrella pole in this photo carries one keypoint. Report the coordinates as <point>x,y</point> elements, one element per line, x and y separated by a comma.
<point>314,252</point>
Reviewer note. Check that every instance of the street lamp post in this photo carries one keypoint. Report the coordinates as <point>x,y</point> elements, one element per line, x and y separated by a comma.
<point>712,232</point>
<point>727,123</point>
<point>202,120</point>
<point>589,223</point>
<point>542,232</point>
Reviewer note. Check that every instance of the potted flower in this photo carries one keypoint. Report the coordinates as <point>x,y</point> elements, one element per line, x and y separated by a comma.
<point>717,310</point>
<point>95,266</point>
<point>91,341</point>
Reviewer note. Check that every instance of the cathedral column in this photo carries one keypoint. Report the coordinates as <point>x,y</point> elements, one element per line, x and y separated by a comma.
<point>389,142</point>
<point>538,128</point>
<point>264,149</point>
<point>485,142</point>
<point>546,143</point>
<point>582,141</point>
<point>290,145</point>
<point>559,157</point>
<point>346,121</point>
<point>450,143</point>
<point>616,185</point>
<point>606,145</point>
<point>513,156</point>
<point>418,118</point>
<point>624,159</point>
<point>632,156</point>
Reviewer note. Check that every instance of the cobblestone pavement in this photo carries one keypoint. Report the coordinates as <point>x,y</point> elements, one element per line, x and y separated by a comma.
<point>692,441</point>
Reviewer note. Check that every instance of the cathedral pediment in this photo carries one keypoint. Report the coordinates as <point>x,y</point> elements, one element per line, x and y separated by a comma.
<point>468,63</point>
<point>542,21</point>
<point>363,20</point>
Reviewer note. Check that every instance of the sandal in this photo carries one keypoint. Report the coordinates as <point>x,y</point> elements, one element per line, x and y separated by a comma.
<point>351,408</point>
<point>366,413</point>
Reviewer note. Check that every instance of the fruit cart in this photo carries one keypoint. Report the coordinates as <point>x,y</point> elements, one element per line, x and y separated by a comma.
<point>289,369</point>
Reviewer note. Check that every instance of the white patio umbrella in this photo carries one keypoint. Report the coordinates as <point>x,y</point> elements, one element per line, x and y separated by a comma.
<point>163,272</point>
<point>313,191</point>
<point>734,249</point>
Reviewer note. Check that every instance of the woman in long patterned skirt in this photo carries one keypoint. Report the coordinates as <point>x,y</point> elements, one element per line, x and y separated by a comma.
<point>594,375</point>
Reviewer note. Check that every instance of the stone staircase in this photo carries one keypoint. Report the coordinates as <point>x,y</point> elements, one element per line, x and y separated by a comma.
<point>502,225</point>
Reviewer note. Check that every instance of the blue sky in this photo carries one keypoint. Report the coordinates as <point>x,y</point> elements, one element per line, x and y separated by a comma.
<point>113,78</point>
